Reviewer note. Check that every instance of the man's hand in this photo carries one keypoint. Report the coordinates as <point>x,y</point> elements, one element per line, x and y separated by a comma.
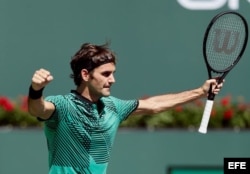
<point>215,86</point>
<point>40,79</point>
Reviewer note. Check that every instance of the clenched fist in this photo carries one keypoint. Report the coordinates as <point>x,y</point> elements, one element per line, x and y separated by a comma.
<point>40,79</point>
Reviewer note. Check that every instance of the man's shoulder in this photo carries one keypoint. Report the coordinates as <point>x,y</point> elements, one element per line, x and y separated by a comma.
<point>59,97</point>
<point>109,99</point>
<point>117,101</point>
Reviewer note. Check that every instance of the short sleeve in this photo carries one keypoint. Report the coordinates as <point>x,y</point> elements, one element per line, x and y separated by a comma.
<point>58,102</point>
<point>124,107</point>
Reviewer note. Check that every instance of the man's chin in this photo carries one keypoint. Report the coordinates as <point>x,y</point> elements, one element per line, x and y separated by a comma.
<point>106,94</point>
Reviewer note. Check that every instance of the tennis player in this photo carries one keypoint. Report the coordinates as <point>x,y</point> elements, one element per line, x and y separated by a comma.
<point>81,126</point>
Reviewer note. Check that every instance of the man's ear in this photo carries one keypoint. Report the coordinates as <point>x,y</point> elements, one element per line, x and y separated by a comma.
<point>85,75</point>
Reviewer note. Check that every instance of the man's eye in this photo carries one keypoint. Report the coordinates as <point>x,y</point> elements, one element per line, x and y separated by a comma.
<point>106,74</point>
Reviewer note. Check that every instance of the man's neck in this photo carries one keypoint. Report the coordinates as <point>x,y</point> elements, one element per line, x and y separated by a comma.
<point>84,91</point>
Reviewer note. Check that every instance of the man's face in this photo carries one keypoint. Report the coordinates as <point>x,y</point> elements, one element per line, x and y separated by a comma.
<point>101,80</point>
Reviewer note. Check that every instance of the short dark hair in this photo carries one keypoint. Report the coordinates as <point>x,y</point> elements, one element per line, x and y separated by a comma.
<point>88,57</point>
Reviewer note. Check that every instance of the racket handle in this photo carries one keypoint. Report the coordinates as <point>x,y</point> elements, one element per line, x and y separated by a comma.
<point>206,116</point>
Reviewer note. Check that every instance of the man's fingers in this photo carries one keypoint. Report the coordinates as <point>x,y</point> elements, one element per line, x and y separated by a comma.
<point>42,73</point>
<point>217,87</point>
<point>49,78</point>
<point>41,78</point>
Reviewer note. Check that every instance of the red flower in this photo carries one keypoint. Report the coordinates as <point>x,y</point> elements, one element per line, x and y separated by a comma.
<point>228,114</point>
<point>213,113</point>
<point>242,106</point>
<point>24,103</point>
<point>178,108</point>
<point>226,101</point>
<point>6,104</point>
<point>199,103</point>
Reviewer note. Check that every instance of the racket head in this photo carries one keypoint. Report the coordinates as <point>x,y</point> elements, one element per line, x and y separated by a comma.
<point>224,42</point>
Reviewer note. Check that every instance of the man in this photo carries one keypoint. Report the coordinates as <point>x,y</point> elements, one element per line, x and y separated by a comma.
<point>80,126</point>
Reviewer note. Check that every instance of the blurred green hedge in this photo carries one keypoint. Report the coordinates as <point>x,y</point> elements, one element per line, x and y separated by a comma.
<point>15,113</point>
<point>225,114</point>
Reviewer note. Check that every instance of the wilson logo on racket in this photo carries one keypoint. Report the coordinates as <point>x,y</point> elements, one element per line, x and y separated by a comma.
<point>226,41</point>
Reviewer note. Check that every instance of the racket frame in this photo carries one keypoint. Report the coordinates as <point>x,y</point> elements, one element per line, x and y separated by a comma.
<point>209,68</point>
<point>210,98</point>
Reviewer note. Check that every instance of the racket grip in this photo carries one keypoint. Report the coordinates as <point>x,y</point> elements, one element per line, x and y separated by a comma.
<point>206,116</point>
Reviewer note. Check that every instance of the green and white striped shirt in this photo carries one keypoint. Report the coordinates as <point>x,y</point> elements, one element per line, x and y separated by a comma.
<point>80,134</point>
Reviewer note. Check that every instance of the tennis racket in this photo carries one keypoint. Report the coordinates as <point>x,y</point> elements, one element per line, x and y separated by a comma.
<point>223,46</point>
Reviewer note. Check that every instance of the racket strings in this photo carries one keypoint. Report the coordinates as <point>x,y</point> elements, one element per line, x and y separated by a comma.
<point>225,42</point>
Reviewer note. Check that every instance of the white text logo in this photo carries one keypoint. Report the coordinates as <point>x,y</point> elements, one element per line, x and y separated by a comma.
<point>210,4</point>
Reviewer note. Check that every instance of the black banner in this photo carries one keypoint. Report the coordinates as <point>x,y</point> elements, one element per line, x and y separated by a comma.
<point>236,165</point>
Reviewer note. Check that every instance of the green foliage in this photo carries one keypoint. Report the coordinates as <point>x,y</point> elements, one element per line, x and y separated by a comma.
<point>15,114</point>
<point>225,114</point>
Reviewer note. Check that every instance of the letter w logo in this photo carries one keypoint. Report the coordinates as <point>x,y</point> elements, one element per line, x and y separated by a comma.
<point>225,41</point>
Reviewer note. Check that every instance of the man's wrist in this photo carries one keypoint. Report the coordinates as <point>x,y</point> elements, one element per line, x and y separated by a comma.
<point>35,94</point>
